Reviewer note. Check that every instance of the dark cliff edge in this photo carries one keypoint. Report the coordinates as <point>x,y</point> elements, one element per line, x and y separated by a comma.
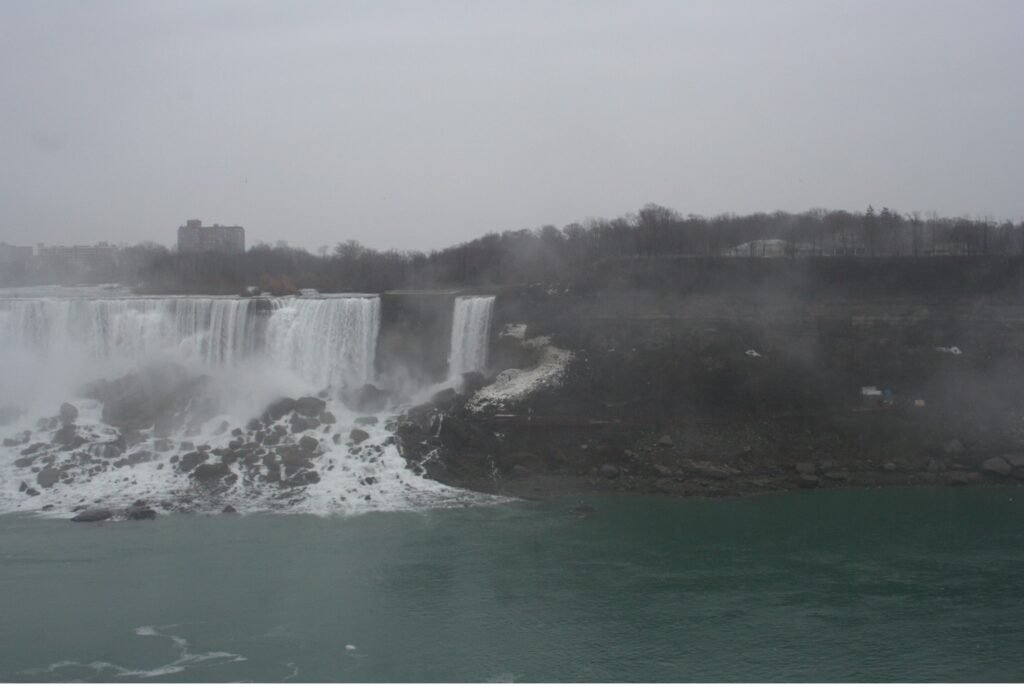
<point>732,377</point>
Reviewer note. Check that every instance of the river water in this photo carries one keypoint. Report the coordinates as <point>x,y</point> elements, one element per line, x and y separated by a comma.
<point>866,585</point>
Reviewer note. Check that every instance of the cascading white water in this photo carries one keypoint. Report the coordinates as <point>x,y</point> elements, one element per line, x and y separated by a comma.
<point>232,357</point>
<point>329,342</point>
<point>325,341</point>
<point>471,324</point>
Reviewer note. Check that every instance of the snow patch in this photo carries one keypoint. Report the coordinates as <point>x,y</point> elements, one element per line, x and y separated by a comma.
<point>514,385</point>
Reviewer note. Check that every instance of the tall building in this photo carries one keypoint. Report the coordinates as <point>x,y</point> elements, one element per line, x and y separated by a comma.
<point>193,237</point>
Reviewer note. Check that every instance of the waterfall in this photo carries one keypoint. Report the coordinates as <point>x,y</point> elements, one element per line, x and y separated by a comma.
<point>471,324</point>
<point>329,342</point>
<point>324,341</point>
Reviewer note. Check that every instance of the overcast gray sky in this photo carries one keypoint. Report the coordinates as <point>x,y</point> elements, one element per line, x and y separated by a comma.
<point>421,124</point>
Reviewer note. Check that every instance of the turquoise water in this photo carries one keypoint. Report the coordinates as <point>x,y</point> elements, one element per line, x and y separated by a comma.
<point>839,585</point>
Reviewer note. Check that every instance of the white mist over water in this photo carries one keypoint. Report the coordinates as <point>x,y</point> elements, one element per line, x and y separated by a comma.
<point>471,324</point>
<point>252,351</point>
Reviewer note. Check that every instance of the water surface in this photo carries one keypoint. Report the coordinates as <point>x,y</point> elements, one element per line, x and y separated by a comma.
<point>840,585</point>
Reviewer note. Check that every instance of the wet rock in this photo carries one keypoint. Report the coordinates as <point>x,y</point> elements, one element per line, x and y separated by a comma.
<point>254,425</point>
<point>24,462</point>
<point>665,440</point>
<point>140,511</point>
<point>211,472</point>
<point>31,492</point>
<point>18,439</point>
<point>34,448</point>
<point>806,481</point>
<point>310,406</point>
<point>68,414</point>
<point>890,467</point>
<point>805,468</point>
<point>358,436</point>
<point>272,439</point>
<point>67,438</point>
<point>997,466</point>
<point>235,444</point>
<point>336,438</point>
<point>229,510</point>
<point>366,420</point>
<point>608,471</point>
<point>93,515</point>
<point>308,445</point>
<point>278,409</point>
<point>445,399</point>
<point>23,487</point>
<point>47,477</point>
<point>299,424</point>
<point>236,432</point>
<point>302,479</point>
<point>186,446</point>
<point>327,418</point>
<point>190,461</point>
<point>280,430</point>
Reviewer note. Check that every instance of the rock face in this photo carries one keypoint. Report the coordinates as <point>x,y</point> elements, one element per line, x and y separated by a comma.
<point>93,515</point>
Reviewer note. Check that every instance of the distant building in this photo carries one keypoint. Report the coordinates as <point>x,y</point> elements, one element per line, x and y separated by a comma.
<point>770,248</point>
<point>9,253</point>
<point>86,257</point>
<point>193,237</point>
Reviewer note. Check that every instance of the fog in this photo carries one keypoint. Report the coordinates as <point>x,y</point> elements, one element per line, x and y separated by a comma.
<point>415,126</point>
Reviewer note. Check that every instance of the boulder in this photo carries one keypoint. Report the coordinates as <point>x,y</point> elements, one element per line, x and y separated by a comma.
<point>190,461</point>
<point>299,424</point>
<point>68,414</point>
<point>229,510</point>
<point>308,445</point>
<point>139,511</point>
<point>366,420</point>
<point>47,477</point>
<point>358,436</point>
<point>67,438</point>
<point>665,440</point>
<point>93,515</point>
<point>327,418</point>
<point>278,409</point>
<point>608,471</point>
<point>997,466</point>
<point>211,472</point>
<point>310,406</point>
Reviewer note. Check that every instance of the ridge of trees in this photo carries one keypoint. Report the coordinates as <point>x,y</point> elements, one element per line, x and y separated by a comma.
<point>549,254</point>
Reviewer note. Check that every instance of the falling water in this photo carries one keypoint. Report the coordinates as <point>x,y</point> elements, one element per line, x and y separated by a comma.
<point>471,323</point>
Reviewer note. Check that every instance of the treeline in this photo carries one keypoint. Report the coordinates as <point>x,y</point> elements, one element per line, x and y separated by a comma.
<point>550,254</point>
